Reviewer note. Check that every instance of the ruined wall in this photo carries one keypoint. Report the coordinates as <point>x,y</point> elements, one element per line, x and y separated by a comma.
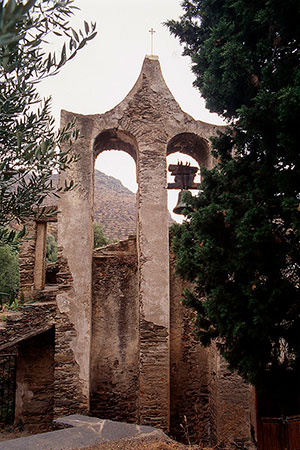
<point>67,367</point>
<point>213,358</point>
<point>233,408</point>
<point>35,382</point>
<point>32,259</point>
<point>218,405</point>
<point>29,334</point>
<point>124,324</point>
<point>31,321</point>
<point>116,330</point>
<point>115,336</point>
<point>69,392</point>
<point>38,316</point>
<point>75,239</point>
<point>190,408</point>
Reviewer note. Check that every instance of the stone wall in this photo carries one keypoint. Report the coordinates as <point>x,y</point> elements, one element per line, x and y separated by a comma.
<point>29,334</point>
<point>32,257</point>
<point>233,409</point>
<point>190,407</point>
<point>69,393</point>
<point>115,337</point>
<point>208,402</point>
<point>213,358</point>
<point>35,382</point>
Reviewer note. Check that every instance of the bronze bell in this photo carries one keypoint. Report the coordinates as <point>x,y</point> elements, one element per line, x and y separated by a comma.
<point>181,205</point>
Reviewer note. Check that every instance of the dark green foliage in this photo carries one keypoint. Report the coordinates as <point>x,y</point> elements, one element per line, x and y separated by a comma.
<point>30,148</point>
<point>239,48</point>
<point>240,243</point>
<point>100,239</point>
<point>9,273</point>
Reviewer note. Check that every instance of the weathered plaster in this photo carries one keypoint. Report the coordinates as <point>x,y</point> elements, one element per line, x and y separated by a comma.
<point>75,238</point>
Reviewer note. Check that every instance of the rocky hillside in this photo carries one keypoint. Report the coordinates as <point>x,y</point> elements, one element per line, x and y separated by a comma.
<point>114,206</point>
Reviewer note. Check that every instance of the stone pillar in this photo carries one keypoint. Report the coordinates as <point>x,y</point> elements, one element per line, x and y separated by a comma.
<point>75,237</point>
<point>40,256</point>
<point>153,257</point>
<point>27,261</point>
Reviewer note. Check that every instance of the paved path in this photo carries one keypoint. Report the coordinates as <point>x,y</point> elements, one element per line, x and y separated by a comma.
<point>83,432</point>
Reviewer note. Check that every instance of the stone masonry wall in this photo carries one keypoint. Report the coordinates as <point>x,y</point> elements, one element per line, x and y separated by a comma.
<point>115,339</point>
<point>35,382</point>
<point>216,402</point>
<point>29,334</point>
<point>213,358</point>
<point>233,409</point>
<point>69,395</point>
<point>143,125</point>
<point>190,408</point>
<point>154,380</point>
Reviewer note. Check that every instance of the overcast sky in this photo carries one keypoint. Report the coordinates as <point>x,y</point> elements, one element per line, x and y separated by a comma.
<point>103,73</point>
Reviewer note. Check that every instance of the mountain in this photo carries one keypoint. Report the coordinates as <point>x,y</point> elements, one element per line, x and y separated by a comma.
<point>114,206</point>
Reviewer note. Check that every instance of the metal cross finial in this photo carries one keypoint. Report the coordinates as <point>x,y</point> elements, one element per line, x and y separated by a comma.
<point>152,33</point>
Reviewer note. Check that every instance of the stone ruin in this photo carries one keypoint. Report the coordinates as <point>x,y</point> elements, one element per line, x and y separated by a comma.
<point>109,337</point>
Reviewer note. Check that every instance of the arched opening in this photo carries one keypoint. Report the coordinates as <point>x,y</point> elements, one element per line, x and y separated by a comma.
<point>114,361</point>
<point>115,186</point>
<point>192,145</point>
<point>186,148</point>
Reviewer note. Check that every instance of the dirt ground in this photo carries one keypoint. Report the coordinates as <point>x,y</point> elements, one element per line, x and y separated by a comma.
<point>126,444</point>
<point>139,445</point>
<point>7,434</point>
<point>123,444</point>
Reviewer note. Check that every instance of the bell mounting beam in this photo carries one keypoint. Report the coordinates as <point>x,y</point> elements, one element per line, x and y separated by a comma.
<point>184,176</point>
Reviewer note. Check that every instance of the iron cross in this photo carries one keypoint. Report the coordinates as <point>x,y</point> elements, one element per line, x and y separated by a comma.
<point>152,33</point>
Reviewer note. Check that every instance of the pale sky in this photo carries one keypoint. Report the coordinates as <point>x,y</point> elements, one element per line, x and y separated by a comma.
<point>103,72</point>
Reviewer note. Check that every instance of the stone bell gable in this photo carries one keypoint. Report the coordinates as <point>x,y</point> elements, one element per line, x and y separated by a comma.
<point>148,124</point>
<point>123,346</point>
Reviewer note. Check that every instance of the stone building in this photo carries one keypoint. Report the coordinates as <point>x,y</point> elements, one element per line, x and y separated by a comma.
<point>110,336</point>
